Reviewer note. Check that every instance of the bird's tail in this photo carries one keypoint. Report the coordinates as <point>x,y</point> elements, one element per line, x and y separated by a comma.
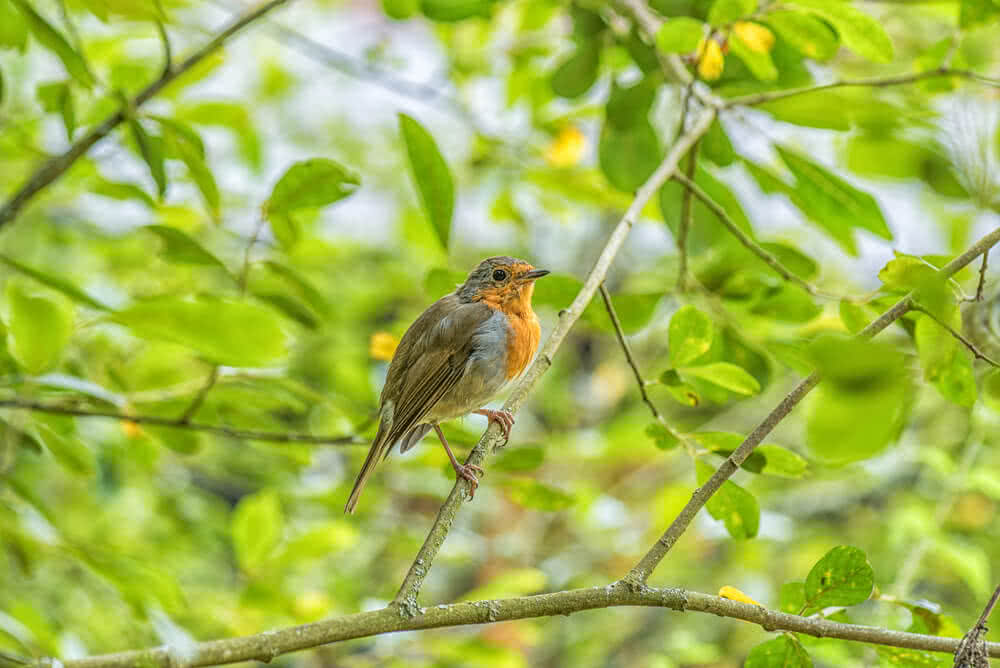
<point>376,453</point>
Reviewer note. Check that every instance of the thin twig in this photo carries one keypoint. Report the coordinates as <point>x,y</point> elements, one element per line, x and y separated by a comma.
<point>247,434</point>
<point>685,223</point>
<point>269,645</point>
<point>973,651</point>
<point>168,58</point>
<point>742,236</point>
<point>406,598</point>
<point>982,277</point>
<point>877,82</point>
<point>199,398</point>
<point>640,381</point>
<point>976,352</point>
<point>636,578</point>
<point>55,167</point>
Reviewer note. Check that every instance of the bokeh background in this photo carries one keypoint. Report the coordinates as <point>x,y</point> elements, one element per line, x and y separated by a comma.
<point>115,535</point>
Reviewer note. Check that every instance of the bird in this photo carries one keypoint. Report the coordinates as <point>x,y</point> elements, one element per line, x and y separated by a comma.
<point>461,351</point>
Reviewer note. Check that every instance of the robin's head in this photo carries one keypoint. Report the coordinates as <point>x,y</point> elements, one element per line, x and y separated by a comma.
<point>502,282</point>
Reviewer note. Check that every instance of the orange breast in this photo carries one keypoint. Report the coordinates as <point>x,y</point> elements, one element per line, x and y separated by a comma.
<point>523,341</point>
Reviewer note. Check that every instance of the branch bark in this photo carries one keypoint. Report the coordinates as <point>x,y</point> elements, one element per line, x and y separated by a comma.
<point>272,644</point>
<point>636,578</point>
<point>178,423</point>
<point>56,166</point>
<point>406,598</point>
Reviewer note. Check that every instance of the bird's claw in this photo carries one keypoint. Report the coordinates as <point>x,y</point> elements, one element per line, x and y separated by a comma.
<point>469,472</point>
<point>502,417</point>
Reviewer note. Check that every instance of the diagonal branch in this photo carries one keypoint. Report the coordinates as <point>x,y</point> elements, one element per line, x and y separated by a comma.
<point>406,598</point>
<point>56,166</point>
<point>272,644</point>
<point>742,236</point>
<point>636,578</point>
<point>961,338</point>
<point>178,423</point>
<point>877,82</point>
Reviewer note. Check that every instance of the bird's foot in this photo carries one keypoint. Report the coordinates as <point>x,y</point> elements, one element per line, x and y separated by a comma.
<point>470,472</point>
<point>503,418</point>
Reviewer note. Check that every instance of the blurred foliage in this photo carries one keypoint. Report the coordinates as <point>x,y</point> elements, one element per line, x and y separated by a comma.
<point>248,247</point>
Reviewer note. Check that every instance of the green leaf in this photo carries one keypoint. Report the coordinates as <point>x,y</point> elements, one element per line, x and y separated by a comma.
<point>56,283</point>
<point>859,31</point>
<point>629,106</point>
<point>680,35</point>
<point>520,459</point>
<point>256,527</point>
<point>575,75</point>
<point>905,273</point>
<point>834,413</point>
<point>725,375</point>
<point>185,143</point>
<point>456,10</point>
<point>151,150</point>
<point>179,247</point>
<point>56,97</point>
<point>52,40</point>
<point>842,577</point>
<point>681,392</point>
<point>431,174</point>
<point>715,145</point>
<point>663,439</point>
<point>218,329</point>
<point>38,327</point>
<point>441,281</point>
<point>56,435</point>
<point>628,156</point>
<point>810,36</point>
<point>781,462</point>
<point>759,63</point>
<point>121,190</point>
<point>690,335</point>
<point>13,27</point>
<point>946,363</point>
<point>533,494</point>
<point>233,117</point>
<point>400,9</point>
<point>785,651</point>
<point>724,12</point>
<point>733,505</point>
<point>310,184</point>
<point>792,597</point>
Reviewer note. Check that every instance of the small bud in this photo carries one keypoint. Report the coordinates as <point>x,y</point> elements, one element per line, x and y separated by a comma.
<point>567,148</point>
<point>710,60</point>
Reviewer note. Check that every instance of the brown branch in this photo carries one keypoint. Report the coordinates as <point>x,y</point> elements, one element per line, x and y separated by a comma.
<point>973,651</point>
<point>742,236</point>
<point>640,381</point>
<point>178,423</point>
<point>877,82</point>
<point>272,644</point>
<point>636,578</point>
<point>976,352</point>
<point>55,167</point>
<point>982,277</point>
<point>685,223</point>
<point>406,598</point>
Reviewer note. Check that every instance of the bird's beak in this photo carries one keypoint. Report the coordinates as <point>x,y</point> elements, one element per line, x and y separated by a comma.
<point>534,274</point>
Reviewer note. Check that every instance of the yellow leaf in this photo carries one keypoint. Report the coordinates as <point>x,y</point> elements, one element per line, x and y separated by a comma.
<point>382,346</point>
<point>734,594</point>
<point>131,429</point>
<point>710,60</point>
<point>755,36</point>
<point>567,148</point>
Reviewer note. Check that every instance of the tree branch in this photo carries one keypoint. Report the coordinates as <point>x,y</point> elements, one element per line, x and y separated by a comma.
<point>56,166</point>
<point>742,236</point>
<point>636,578</point>
<point>685,223</point>
<point>878,82</point>
<point>961,338</point>
<point>178,423</point>
<point>272,644</point>
<point>406,598</point>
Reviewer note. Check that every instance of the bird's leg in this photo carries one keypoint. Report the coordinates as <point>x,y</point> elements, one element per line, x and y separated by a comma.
<point>503,418</point>
<point>467,471</point>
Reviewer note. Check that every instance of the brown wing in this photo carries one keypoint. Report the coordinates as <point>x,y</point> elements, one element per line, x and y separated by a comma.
<point>429,361</point>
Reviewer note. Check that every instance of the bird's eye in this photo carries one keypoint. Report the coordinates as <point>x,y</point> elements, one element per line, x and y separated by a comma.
<point>499,275</point>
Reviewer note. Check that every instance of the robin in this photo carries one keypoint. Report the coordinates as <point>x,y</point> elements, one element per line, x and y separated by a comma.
<point>454,358</point>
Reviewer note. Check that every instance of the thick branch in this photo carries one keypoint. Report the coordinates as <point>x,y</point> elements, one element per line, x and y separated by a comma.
<point>271,644</point>
<point>407,596</point>
<point>877,82</point>
<point>178,423</point>
<point>641,572</point>
<point>55,167</point>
